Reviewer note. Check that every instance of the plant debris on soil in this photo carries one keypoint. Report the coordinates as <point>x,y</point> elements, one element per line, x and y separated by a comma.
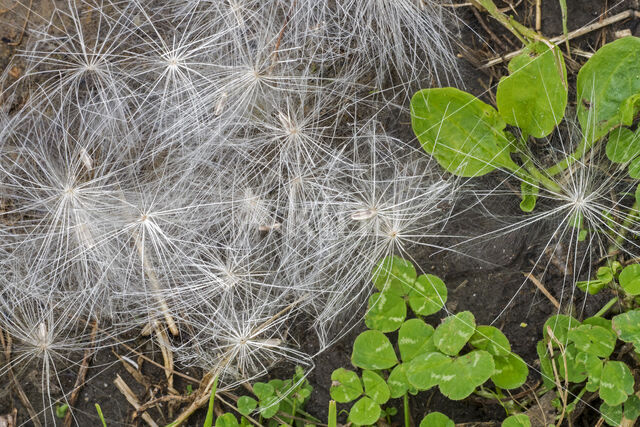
<point>483,278</point>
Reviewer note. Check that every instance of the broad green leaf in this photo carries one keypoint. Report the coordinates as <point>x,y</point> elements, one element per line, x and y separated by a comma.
<point>622,146</point>
<point>394,275</point>
<point>373,350</point>
<point>616,383</point>
<point>534,95</point>
<point>632,407</point>
<point>491,339</point>
<point>598,321</point>
<point>612,414</point>
<point>269,406</point>
<point>364,412</point>
<point>529,195</point>
<point>263,390</point>
<point>227,420</point>
<point>454,333</point>
<point>519,420</point>
<point>627,326</point>
<point>436,419</point>
<point>510,371</point>
<point>345,386</point>
<point>605,274</point>
<point>428,295</point>
<point>560,325</point>
<point>414,338</point>
<point>629,279</point>
<point>634,168</point>
<point>386,312</point>
<point>460,378</point>
<point>246,405</point>
<point>464,134</point>
<point>425,371</point>
<point>608,87</point>
<point>595,373</point>
<point>375,387</point>
<point>594,340</point>
<point>398,382</point>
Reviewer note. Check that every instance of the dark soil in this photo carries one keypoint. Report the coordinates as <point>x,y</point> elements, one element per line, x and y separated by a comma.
<point>486,279</point>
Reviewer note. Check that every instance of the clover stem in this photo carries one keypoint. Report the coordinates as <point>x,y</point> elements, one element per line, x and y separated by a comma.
<point>407,416</point>
<point>606,307</point>
<point>539,175</point>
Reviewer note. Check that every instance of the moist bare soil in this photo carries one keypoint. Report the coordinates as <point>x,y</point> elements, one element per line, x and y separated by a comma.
<point>485,276</point>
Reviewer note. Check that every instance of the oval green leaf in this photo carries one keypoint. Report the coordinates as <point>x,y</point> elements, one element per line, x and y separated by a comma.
<point>386,312</point>
<point>490,339</point>
<point>375,387</point>
<point>460,378</point>
<point>534,95</point>
<point>612,414</point>
<point>425,371</point>
<point>394,275</point>
<point>464,134</point>
<point>519,420</point>
<point>227,420</point>
<point>436,419</point>
<point>616,383</point>
<point>246,405</point>
<point>510,372</point>
<point>560,325</point>
<point>398,382</point>
<point>414,338</point>
<point>630,279</point>
<point>452,335</point>
<point>345,386</point>
<point>627,326</point>
<point>622,146</point>
<point>608,88</point>
<point>373,350</point>
<point>594,340</point>
<point>364,412</point>
<point>428,295</point>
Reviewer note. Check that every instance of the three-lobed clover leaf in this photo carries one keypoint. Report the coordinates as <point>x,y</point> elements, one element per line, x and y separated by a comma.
<point>612,414</point>
<point>373,350</point>
<point>398,382</point>
<point>227,420</point>
<point>533,96</point>
<point>452,335</point>
<point>345,386</point>
<point>461,377</point>
<point>394,275</point>
<point>427,295</point>
<point>629,279</point>
<point>616,383</point>
<point>386,312</point>
<point>465,135</point>
<point>436,419</point>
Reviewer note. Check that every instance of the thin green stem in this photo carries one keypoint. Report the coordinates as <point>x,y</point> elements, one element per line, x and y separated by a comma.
<point>333,414</point>
<point>584,146</point>
<point>407,415</point>
<point>606,307</point>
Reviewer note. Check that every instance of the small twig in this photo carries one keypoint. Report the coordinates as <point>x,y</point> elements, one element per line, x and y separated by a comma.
<point>487,29</point>
<point>570,36</point>
<point>564,391</point>
<point>153,362</point>
<point>82,374</point>
<point>167,355</point>
<point>544,290</point>
<point>538,15</point>
<point>6,343</point>
<point>167,398</point>
<point>132,399</point>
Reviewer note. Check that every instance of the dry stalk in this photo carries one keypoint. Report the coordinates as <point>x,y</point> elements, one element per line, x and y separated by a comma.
<point>564,391</point>
<point>542,289</point>
<point>82,374</point>
<point>132,399</point>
